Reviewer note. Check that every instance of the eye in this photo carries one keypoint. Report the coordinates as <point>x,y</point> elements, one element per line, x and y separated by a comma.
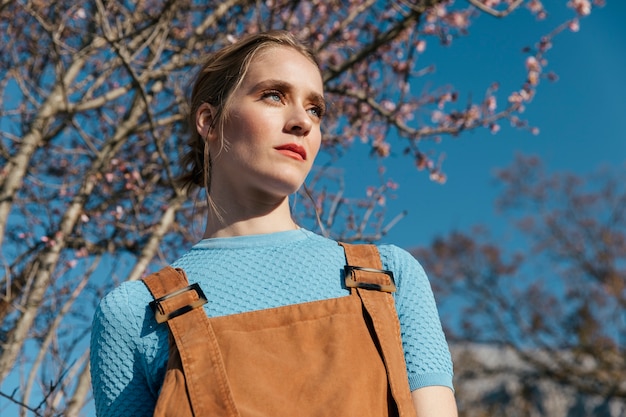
<point>273,96</point>
<point>316,111</point>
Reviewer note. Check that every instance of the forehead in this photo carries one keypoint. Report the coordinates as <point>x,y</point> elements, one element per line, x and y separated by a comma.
<point>286,64</point>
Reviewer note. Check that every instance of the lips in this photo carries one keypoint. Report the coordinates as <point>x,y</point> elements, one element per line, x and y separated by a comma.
<point>292,150</point>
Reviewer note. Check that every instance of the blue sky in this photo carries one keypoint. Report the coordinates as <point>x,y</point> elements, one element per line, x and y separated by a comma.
<point>580,117</point>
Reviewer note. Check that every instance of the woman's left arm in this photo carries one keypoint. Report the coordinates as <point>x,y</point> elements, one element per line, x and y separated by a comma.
<point>429,365</point>
<point>434,401</point>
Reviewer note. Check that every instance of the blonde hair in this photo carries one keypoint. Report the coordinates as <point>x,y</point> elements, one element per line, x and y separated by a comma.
<point>220,75</point>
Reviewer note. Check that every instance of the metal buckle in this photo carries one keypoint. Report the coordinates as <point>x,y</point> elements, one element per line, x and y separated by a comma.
<point>351,282</point>
<point>162,317</point>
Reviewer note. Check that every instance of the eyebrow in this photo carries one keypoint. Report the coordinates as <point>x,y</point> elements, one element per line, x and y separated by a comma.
<point>314,97</point>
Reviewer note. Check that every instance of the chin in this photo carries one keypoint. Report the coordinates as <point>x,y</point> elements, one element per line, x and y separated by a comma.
<point>288,188</point>
<point>289,191</point>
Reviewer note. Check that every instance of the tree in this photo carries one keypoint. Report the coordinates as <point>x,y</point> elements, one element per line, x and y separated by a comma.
<point>557,302</point>
<point>92,109</point>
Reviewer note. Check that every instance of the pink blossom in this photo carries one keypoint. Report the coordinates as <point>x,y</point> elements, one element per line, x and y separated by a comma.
<point>532,64</point>
<point>382,149</point>
<point>437,116</point>
<point>440,10</point>
<point>515,97</point>
<point>420,161</point>
<point>536,7</point>
<point>401,66</point>
<point>526,94</point>
<point>438,176</point>
<point>420,46</point>
<point>49,242</point>
<point>444,99</point>
<point>459,20</point>
<point>520,96</point>
<point>582,7</point>
<point>473,113</point>
<point>574,25</point>
<point>389,105</point>
<point>491,103</point>
<point>80,14</point>
<point>429,29</point>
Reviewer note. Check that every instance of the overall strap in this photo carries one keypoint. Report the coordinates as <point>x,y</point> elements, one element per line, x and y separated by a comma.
<point>176,302</point>
<point>364,275</point>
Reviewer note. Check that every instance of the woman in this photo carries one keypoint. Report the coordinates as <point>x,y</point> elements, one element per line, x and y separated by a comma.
<point>256,111</point>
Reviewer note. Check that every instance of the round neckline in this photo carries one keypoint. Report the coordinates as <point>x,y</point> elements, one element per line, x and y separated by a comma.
<point>251,241</point>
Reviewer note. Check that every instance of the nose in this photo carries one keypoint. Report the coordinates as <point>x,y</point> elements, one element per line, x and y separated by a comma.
<point>298,122</point>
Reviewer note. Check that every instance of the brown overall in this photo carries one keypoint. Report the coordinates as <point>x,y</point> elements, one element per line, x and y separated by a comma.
<point>336,357</point>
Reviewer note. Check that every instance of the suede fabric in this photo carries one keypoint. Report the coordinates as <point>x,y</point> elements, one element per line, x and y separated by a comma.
<point>341,356</point>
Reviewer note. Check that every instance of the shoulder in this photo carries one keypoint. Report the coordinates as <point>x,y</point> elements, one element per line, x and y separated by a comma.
<point>121,315</point>
<point>124,331</point>
<point>414,295</point>
<point>403,264</point>
<point>396,255</point>
<point>125,302</point>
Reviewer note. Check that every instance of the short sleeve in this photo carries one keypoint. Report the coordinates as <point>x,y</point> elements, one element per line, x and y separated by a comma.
<point>426,350</point>
<point>119,378</point>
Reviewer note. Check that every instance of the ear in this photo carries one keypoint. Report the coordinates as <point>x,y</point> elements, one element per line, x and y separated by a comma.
<point>205,121</point>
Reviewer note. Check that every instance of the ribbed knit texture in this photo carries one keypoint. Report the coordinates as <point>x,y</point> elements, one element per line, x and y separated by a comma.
<point>129,350</point>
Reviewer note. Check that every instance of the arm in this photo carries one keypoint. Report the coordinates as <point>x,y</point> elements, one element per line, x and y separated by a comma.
<point>429,365</point>
<point>434,401</point>
<point>425,347</point>
<point>118,378</point>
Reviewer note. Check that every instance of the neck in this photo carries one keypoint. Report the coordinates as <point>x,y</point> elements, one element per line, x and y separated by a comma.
<point>251,219</point>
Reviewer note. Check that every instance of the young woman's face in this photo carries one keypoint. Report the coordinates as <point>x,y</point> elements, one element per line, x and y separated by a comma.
<point>272,132</point>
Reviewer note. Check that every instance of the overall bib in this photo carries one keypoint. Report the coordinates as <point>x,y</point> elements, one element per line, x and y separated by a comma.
<point>337,357</point>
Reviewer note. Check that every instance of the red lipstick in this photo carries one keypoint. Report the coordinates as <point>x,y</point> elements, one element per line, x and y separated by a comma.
<point>292,150</point>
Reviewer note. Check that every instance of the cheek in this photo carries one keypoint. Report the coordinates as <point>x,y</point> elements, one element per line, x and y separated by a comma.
<point>247,130</point>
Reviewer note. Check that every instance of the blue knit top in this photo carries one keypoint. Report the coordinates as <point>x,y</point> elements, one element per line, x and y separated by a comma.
<point>129,349</point>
